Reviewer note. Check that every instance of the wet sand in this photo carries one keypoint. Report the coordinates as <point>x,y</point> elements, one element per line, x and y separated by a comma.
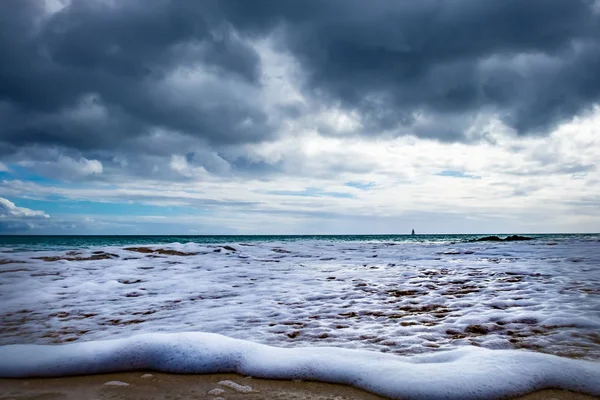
<point>140,385</point>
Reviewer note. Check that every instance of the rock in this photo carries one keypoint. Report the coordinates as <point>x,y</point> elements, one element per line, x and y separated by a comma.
<point>146,376</point>
<point>4,261</point>
<point>511,238</point>
<point>116,383</point>
<point>216,391</point>
<point>477,329</point>
<point>145,250</point>
<point>71,256</point>
<point>168,252</point>
<point>129,281</point>
<point>165,252</point>
<point>229,248</point>
<point>487,239</point>
<point>516,238</point>
<point>400,293</point>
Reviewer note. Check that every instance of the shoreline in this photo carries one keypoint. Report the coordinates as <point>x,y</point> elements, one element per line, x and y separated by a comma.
<point>153,385</point>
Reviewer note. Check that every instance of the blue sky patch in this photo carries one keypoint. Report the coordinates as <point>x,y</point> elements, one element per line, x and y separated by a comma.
<point>22,173</point>
<point>360,185</point>
<point>62,206</point>
<point>457,174</point>
<point>311,192</point>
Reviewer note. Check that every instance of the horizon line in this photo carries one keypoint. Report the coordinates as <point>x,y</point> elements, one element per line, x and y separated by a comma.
<point>304,234</point>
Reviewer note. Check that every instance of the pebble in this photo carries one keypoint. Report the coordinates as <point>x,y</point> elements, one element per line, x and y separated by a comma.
<point>236,386</point>
<point>116,383</point>
<point>216,391</point>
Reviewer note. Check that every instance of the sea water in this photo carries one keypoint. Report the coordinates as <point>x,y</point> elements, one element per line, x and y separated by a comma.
<point>377,312</point>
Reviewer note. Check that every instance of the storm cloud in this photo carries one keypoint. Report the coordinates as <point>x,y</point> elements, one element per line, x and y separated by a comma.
<point>530,63</point>
<point>102,80</point>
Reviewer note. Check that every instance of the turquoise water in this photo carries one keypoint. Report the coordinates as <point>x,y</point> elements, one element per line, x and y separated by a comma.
<point>29,243</point>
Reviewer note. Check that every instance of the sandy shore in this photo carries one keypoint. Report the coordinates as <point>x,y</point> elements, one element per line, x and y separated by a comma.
<point>137,385</point>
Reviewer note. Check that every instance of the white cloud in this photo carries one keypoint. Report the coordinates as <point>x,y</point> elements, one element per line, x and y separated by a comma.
<point>533,184</point>
<point>180,165</point>
<point>8,210</point>
<point>83,166</point>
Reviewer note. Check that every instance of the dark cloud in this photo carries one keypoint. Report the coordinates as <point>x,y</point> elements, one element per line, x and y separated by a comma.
<point>530,62</point>
<point>108,75</point>
<point>97,73</point>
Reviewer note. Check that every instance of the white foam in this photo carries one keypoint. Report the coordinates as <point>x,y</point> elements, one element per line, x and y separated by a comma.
<point>466,373</point>
<point>409,300</point>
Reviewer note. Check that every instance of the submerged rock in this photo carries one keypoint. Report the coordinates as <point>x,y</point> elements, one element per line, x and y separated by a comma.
<point>165,252</point>
<point>71,257</point>
<point>144,250</point>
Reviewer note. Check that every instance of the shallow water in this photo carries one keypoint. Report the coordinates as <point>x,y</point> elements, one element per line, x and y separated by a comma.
<point>388,294</point>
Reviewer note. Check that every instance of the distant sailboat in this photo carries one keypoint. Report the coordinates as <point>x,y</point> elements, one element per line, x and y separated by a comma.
<point>413,232</point>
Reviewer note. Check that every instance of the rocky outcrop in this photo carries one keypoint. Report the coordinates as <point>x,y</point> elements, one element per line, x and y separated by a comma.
<point>516,238</point>
<point>511,238</point>
<point>165,252</point>
<point>71,256</point>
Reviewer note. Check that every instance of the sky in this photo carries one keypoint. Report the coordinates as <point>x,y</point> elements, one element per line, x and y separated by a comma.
<point>299,117</point>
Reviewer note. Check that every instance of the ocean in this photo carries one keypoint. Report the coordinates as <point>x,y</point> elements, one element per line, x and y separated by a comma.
<point>65,242</point>
<point>383,302</point>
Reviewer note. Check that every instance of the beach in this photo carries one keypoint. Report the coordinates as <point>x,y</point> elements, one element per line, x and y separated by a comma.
<point>189,387</point>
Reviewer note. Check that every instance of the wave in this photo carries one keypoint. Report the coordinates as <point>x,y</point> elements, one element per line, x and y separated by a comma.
<point>466,373</point>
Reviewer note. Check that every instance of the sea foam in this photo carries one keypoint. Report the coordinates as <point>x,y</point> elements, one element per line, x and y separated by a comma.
<point>406,299</point>
<point>466,373</point>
